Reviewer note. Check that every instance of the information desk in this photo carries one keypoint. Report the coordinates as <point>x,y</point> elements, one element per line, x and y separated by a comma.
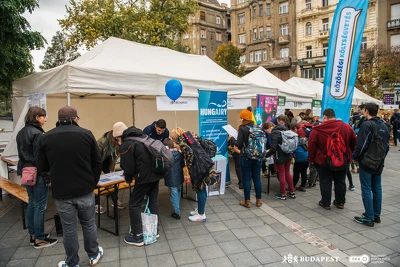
<point>108,185</point>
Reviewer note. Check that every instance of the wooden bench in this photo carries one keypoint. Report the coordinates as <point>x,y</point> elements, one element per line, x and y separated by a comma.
<point>108,191</point>
<point>17,191</point>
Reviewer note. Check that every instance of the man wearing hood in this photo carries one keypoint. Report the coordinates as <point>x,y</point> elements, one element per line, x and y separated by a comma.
<point>371,179</point>
<point>135,161</point>
<point>71,155</point>
<point>157,130</point>
<point>317,155</point>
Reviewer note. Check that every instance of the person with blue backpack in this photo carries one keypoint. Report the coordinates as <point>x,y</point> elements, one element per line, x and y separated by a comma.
<point>251,142</point>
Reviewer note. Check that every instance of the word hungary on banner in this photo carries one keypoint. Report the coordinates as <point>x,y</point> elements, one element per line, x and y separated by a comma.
<point>343,54</point>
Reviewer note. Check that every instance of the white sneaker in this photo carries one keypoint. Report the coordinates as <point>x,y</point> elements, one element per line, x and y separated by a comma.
<point>120,205</point>
<point>194,212</point>
<point>101,210</point>
<point>63,264</point>
<point>198,218</point>
<point>93,261</point>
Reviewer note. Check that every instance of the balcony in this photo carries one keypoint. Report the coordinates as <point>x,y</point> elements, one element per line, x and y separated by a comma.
<point>283,40</point>
<point>393,24</point>
<point>311,61</point>
<point>241,46</point>
<point>324,33</point>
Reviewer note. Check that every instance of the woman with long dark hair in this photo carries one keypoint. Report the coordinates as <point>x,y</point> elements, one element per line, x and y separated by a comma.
<point>28,139</point>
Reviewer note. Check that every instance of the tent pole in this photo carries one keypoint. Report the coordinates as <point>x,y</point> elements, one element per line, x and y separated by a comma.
<point>133,110</point>
<point>68,99</point>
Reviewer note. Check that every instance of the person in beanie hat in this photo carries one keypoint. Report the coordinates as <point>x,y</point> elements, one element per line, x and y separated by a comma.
<point>135,159</point>
<point>251,168</point>
<point>70,153</point>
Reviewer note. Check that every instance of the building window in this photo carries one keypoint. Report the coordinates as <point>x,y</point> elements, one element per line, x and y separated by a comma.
<point>218,37</point>
<point>325,24</point>
<point>308,28</point>
<point>395,11</point>
<point>265,55</point>
<point>364,43</point>
<point>202,15</point>
<point>395,40</point>
<point>284,8</point>
<point>307,73</point>
<point>241,18</point>
<point>185,36</point>
<point>308,4</point>
<point>242,39</point>
<point>268,9</point>
<point>325,49</point>
<point>218,19</point>
<point>325,3</point>
<point>203,50</point>
<point>319,73</point>
<point>261,32</point>
<point>251,57</point>
<point>268,32</point>
<point>203,34</point>
<point>284,29</point>
<point>260,10</point>
<point>284,52</point>
<point>240,1</point>
<point>309,51</point>
<point>242,59</point>
<point>257,56</point>
<point>254,34</point>
<point>254,12</point>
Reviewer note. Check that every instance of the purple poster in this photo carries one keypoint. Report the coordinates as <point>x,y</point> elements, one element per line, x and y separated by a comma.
<point>266,107</point>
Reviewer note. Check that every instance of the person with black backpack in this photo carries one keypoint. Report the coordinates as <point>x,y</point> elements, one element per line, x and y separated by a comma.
<point>395,121</point>
<point>371,150</point>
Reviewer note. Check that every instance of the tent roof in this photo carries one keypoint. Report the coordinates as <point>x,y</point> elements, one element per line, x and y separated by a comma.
<point>358,96</point>
<point>263,77</point>
<point>118,66</point>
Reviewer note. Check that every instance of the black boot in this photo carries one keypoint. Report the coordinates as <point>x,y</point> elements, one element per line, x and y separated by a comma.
<point>240,185</point>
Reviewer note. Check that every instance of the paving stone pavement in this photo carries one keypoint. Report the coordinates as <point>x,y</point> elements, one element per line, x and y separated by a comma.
<point>233,235</point>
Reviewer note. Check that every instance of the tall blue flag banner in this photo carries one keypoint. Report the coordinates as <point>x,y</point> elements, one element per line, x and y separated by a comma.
<point>343,54</point>
<point>213,114</point>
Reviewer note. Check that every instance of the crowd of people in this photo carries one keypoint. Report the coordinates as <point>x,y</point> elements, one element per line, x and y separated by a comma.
<point>70,161</point>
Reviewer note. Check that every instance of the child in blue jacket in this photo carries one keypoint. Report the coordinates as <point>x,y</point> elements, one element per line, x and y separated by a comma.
<point>301,162</point>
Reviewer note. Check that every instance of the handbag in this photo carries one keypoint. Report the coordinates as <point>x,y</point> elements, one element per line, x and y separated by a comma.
<point>29,175</point>
<point>149,223</point>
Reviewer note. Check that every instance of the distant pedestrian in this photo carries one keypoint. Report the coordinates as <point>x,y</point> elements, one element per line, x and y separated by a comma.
<point>395,121</point>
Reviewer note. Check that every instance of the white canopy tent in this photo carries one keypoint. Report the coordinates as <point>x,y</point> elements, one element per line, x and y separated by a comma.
<point>263,77</point>
<point>358,96</point>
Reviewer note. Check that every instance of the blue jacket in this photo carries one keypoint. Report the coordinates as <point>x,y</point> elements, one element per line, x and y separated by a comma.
<point>174,176</point>
<point>301,155</point>
<point>364,138</point>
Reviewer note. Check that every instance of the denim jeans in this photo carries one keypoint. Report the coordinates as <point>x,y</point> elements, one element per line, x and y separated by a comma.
<point>251,169</point>
<point>201,200</point>
<point>36,209</point>
<point>85,208</point>
<point>326,176</point>
<point>285,177</point>
<point>371,183</point>
<point>175,197</point>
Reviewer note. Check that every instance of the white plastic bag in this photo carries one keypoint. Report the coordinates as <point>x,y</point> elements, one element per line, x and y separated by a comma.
<point>149,222</point>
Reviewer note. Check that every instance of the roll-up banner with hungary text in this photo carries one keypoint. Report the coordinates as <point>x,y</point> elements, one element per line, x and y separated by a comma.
<point>343,54</point>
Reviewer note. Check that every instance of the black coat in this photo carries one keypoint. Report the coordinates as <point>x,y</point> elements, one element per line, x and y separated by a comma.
<point>136,159</point>
<point>72,156</point>
<point>275,150</point>
<point>364,138</point>
<point>28,139</point>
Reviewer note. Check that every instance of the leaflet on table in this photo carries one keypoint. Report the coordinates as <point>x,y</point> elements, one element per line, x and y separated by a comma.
<point>231,131</point>
<point>111,177</point>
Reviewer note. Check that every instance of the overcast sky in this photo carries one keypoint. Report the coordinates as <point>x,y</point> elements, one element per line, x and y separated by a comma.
<point>44,20</point>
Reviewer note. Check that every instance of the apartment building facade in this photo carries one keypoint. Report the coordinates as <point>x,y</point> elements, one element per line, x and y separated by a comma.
<point>265,31</point>
<point>389,23</point>
<point>209,28</point>
<point>314,20</point>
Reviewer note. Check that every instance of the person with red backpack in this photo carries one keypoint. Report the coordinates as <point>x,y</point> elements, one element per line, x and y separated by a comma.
<point>330,149</point>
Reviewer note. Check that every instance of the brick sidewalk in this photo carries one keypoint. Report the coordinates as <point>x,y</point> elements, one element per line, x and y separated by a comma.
<point>233,235</point>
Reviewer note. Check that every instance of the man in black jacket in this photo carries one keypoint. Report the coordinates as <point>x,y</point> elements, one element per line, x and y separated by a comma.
<point>395,122</point>
<point>370,179</point>
<point>136,162</point>
<point>71,155</point>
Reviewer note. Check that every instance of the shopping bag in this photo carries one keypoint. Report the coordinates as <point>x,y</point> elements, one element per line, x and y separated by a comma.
<point>149,223</point>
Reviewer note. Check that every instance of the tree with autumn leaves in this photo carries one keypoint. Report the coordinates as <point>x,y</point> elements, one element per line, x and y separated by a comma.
<point>377,65</point>
<point>228,57</point>
<point>152,22</point>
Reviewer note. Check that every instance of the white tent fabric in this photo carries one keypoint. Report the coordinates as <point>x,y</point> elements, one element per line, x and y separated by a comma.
<point>262,77</point>
<point>358,96</point>
<point>118,66</point>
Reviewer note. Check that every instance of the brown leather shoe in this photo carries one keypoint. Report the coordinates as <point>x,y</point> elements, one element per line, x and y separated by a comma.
<point>258,202</point>
<point>245,203</point>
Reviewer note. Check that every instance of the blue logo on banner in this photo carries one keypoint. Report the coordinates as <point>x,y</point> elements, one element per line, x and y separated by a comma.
<point>343,54</point>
